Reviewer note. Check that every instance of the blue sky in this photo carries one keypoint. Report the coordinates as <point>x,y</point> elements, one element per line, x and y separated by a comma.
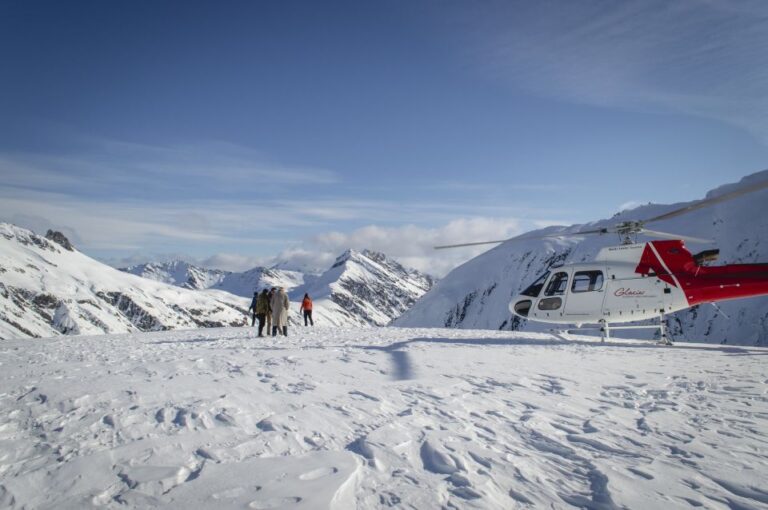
<point>230,132</point>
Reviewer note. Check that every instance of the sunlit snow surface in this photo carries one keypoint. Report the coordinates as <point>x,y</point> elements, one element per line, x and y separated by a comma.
<point>378,417</point>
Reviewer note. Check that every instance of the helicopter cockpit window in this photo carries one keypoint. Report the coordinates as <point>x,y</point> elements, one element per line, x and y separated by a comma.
<point>534,289</point>
<point>557,284</point>
<point>587,281</point>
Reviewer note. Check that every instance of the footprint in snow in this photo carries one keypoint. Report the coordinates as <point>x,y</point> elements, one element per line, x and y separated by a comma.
<point>268,504</point>
<point>640,473</point>
<point>318,473</point>
<point>364,395</point>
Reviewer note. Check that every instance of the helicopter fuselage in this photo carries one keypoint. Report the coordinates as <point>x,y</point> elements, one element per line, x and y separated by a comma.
<point>635,282</point>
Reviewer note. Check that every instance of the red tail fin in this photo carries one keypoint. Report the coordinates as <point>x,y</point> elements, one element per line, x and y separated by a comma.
<point>673,263</point>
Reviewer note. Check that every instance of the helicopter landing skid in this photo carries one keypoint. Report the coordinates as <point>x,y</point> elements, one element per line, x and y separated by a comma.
<point>605,330</point>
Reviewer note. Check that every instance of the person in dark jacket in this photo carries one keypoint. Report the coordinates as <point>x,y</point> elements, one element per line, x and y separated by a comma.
<point>252,308</point>
<point>306,307</point>
<point>262,309</point>
<point>269,310</point>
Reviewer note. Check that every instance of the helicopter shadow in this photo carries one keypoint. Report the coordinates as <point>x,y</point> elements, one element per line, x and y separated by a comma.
<point>403,366</point>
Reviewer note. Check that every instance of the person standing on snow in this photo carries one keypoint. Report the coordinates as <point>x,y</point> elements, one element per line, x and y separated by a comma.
<point>269,308</point>
<point>262,310</point>
<point>280,306</point>
<point>306,307</point>
<point>252,308</point>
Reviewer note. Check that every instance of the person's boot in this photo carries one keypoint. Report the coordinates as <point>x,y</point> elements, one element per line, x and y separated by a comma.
<point>274,330</point>
<point>285,330</point>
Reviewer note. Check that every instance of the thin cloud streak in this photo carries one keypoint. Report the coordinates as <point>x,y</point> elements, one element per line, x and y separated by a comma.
<point>120,224</point>
<point>694,57</point>
<point>109,166</point>
<point>412,245</point>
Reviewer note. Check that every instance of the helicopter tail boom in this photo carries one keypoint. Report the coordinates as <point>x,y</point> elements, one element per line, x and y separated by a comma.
<point>673,263</point>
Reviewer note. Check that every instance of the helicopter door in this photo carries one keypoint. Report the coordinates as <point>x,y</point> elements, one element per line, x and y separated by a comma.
<point>552,301</point>
<point>586,296</point>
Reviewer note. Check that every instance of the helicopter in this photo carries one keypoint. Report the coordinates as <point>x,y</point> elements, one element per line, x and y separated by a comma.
<point>636,281</point>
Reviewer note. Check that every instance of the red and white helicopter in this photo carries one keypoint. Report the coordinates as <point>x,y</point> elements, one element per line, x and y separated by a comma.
<point>636,281</point>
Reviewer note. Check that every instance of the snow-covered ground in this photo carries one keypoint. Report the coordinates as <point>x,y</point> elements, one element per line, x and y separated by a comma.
<point>377,417</point>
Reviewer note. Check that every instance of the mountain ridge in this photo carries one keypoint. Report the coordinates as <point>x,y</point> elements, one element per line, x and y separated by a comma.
<point>47,289</point>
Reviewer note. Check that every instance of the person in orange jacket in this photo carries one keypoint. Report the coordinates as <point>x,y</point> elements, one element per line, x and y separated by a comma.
<point>306,307</point>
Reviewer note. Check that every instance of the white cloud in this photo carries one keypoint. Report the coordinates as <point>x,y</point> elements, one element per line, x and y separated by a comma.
<point>410,244</point>
<point>233,261</point>
<point>129,224</point>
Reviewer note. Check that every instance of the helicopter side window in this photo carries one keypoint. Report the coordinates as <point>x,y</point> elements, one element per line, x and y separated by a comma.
<point>587,281</point>
<point>534,289</point>
<point>557,284</point>
<point>550,303</point>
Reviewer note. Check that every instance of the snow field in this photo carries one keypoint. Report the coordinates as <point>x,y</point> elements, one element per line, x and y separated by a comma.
<point>379,417</point>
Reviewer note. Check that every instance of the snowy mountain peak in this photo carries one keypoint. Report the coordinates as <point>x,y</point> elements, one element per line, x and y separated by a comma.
<point>346,256</point>
<point>189,276</point>
<point>26,237</point>
<point>367,257</point>
<point>179,273</point>
<point>367,288</point>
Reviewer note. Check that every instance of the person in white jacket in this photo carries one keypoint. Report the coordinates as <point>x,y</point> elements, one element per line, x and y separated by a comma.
<point>280,306</point>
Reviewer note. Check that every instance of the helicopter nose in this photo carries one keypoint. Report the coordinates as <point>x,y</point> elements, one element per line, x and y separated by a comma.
<point>520,307</point>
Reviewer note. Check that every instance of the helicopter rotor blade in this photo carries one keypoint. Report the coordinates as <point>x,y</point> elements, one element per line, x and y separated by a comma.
<point>709,201</point>
<point>525,237</point>
<point>443,247</point>
<point>690,239</point>
<point>585,232</point>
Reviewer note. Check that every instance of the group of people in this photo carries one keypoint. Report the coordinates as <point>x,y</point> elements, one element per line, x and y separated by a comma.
<point>270,308</point>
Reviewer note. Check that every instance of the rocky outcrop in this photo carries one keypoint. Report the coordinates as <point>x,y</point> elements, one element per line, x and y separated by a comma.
<point>60,239</point>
